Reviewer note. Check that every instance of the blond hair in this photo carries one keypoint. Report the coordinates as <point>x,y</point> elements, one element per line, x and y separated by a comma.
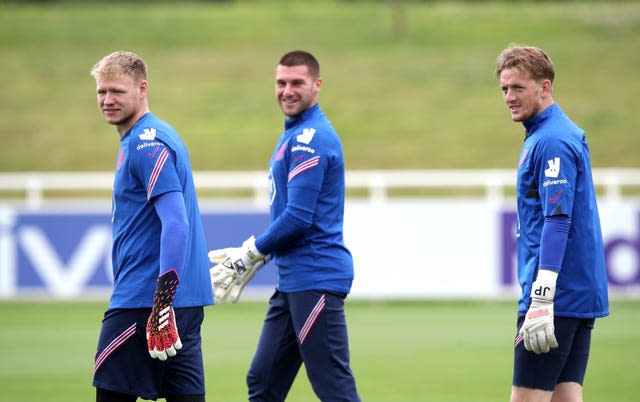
<point>120,63</point>
<point>526,58</point>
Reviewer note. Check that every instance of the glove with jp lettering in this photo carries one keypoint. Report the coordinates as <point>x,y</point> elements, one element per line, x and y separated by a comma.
<point>538,330</point>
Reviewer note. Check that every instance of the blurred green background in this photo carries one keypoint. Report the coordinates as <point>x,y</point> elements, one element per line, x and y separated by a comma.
<point>407,84</point>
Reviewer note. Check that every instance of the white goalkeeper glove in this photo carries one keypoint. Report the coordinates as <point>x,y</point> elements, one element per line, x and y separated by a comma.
<point>235,267</point>
<point>538,330</point>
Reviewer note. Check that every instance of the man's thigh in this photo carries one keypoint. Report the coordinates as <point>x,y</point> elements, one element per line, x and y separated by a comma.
<point>123,364</point>
<point>321,329</point>
<point>277,359</point>
<point>564,392</point>
<point>567,363</point>
<point>184,373</point>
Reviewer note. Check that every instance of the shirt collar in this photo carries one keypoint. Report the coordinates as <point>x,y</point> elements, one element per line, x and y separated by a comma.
<point>531,124</point>
<point>291,122</point>
<point>136,124</point>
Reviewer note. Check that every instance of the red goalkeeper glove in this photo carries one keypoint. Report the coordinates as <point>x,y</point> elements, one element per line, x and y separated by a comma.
<point>162,333</point>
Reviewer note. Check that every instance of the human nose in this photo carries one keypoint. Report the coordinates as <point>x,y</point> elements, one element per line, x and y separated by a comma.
<point>107,98</point>
<point>509,95</point>
<point>287,90</point>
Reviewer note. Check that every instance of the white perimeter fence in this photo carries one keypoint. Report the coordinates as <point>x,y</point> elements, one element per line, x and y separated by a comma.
<point>377,183</point>
<point>450,231</point>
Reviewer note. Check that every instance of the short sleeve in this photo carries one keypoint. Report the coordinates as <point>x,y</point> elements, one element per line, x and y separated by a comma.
<point>153,162</point>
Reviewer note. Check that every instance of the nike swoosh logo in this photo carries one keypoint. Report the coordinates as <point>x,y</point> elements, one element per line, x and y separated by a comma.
<point>154,153</point>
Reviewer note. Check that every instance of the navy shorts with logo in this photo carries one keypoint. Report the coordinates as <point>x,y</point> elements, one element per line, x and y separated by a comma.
<point>567,363</point>
<point>123,363</point>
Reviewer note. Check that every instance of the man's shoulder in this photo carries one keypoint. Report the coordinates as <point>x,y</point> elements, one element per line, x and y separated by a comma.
<point>153,132</point>
<point>151,128</point>
<point>317,128</point>
<point>314,138</point>
<point>559,131</point>
<point>146,139</point>
<point>560,124</point>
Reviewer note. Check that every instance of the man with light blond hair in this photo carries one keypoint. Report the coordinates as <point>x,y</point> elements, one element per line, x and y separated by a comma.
<point>150,345</point>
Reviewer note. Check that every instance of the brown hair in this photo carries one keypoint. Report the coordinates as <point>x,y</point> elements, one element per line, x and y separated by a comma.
<point>299,58</point>
<point>526,58</point>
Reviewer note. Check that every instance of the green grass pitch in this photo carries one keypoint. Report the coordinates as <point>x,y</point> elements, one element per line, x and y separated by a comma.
<point>401,351</point>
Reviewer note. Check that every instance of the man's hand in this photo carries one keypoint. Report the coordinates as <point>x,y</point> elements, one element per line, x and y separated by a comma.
<point>222,281</point>
<point>235,268</point>
<point>538,329</point>
<point>240,283</point>
<point>162,333</point>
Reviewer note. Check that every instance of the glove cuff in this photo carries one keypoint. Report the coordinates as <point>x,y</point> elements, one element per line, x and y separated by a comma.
<point>544,288</point>
<point>547,276</point>
<point>252,251</point>
<point>166,287</point>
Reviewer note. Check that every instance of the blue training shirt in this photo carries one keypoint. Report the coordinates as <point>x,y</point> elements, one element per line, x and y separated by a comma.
<point>152,161</point>
<point>306,179</point>
<point>554,178</point>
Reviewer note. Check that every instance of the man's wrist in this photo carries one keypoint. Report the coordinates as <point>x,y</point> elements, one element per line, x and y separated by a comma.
<point>166,287</point>
<point>252,251</point>
<point>547,276</point>
<point>544,287</point>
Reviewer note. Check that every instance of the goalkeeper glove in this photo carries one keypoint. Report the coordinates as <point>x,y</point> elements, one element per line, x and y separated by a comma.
<point>162,333</point>
<point>538,329</point>
<point>236,267</point>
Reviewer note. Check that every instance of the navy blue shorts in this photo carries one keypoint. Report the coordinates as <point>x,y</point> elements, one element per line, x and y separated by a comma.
<point>567,363</point>
<point>307,327</point>
<point>123,363</point>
